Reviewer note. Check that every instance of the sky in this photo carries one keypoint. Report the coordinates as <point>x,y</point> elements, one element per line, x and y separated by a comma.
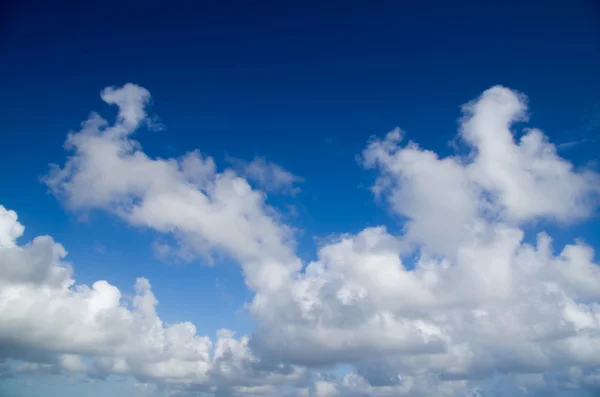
<point>300,199</point>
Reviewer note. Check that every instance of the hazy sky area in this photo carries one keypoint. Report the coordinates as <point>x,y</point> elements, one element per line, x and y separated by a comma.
<point>309,199</point>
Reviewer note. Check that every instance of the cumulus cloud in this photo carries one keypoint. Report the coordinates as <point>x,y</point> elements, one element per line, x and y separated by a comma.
<point>44,311</point>
<point>205,210</point>
<point>468,301</point>
<point>53,325</point>
<point>500,180</point>
<point>457,298</point>
<point>477,300</point>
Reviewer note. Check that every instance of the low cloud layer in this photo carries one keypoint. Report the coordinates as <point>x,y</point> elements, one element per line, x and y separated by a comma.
<point>458,299</point>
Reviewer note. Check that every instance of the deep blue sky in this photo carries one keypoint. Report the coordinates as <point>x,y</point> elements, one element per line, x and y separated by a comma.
<point>304,84</point>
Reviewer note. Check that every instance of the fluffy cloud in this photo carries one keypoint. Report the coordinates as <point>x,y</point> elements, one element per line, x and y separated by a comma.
<point>476,299</point>
<point>205,210</point>
<point>457,299</point>
<point>44,311</point>
<point>51,324</point>
<point>499,181</point>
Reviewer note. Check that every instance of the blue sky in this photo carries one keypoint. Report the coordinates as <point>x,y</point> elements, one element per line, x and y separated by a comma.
<point>305,87</point>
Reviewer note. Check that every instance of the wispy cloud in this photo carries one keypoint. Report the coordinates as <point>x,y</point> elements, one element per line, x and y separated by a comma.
<point>267,175</point>
<point>571,144</point>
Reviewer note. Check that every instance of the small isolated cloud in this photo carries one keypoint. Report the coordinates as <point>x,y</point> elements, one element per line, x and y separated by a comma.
<point>162,250</point>
<point>571,144</point>
<point>267,175</point>
<point>586,134</point>
<point>99,248</point>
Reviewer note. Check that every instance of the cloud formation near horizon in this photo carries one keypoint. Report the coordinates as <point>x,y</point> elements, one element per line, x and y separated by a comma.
<point>459,297</point>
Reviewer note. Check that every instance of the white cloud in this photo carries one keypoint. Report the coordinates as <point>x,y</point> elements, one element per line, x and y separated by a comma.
<point>53,314</point>
<point>51,324</point>
<point>478,299</point>
<point>325,388</point>
<point>131,100</point>
<point>528,179</point>
<point>72,363</point>
<point>206,210</point>
<point>458,297</point>
<point>499,180</point>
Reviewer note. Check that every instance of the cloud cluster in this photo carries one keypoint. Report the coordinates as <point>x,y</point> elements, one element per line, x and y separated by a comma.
<point>52,324</point>
<point>460,295</point>
<point>459,298</point>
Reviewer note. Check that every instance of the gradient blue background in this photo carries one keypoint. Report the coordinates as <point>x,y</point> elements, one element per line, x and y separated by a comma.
<point>304,84</point>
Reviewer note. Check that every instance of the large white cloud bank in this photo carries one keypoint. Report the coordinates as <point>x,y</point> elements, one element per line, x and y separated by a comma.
<point>457,299</point>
